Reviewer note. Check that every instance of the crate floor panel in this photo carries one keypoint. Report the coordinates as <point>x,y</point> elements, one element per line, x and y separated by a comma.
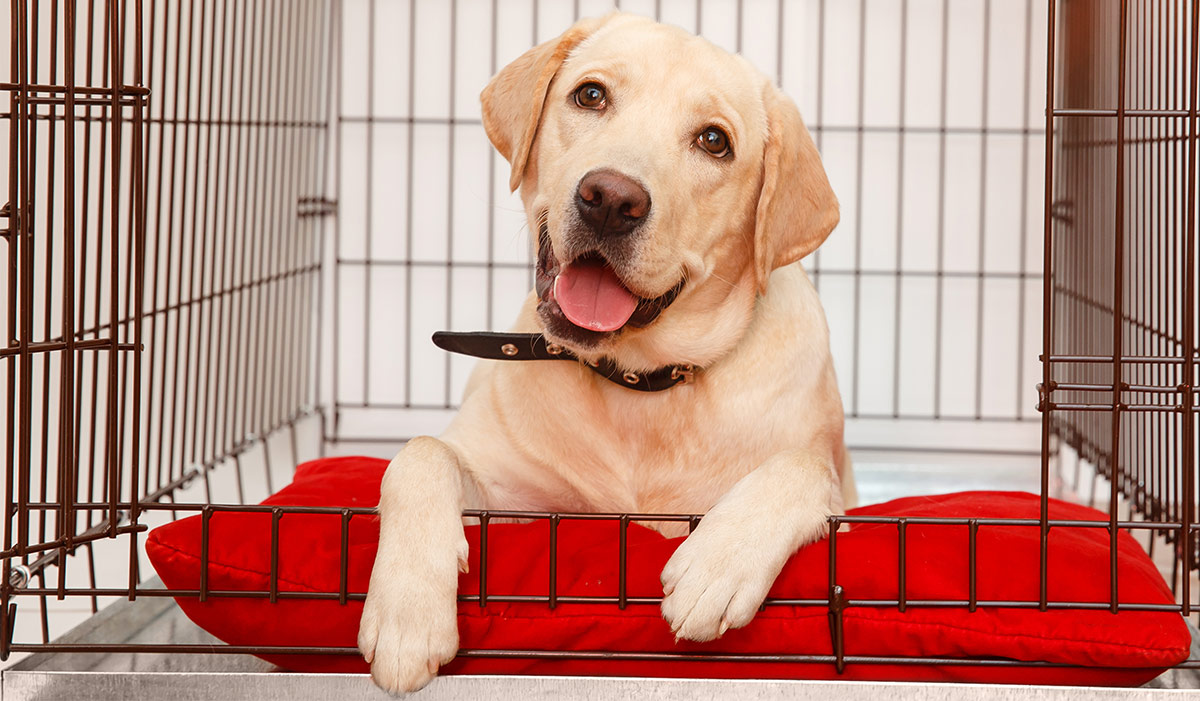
<point>175,676</point>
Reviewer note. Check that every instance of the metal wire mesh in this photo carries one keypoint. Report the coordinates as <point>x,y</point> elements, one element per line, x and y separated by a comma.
<point>172,167</point>
<point>1119,381</point>
<point>927,114</point>
<point>163,256</point>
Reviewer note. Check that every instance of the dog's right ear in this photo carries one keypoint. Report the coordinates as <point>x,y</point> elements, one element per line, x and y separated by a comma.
<point>514,98</point>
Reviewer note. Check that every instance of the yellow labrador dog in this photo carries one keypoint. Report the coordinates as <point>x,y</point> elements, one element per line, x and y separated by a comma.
<point>673,189</point>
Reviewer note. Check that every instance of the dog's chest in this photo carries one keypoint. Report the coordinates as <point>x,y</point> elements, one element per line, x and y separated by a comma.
<point>664,454</point>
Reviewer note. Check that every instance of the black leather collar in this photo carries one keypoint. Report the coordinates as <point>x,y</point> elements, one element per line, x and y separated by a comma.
<point>533,346</point>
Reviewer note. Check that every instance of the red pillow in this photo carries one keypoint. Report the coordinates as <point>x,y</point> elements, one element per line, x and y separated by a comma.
<point>1126,648</point>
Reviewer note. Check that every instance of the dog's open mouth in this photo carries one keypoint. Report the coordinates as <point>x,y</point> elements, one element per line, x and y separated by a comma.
<point>585,300</point>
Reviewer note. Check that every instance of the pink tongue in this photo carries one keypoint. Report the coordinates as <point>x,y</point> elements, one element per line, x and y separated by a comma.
<point>591,296</point>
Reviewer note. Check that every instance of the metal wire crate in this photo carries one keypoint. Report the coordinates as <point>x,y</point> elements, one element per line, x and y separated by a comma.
<point>232,226</point>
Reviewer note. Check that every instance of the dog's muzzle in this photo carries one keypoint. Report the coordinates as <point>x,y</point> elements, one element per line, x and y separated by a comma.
<point>585,301</point>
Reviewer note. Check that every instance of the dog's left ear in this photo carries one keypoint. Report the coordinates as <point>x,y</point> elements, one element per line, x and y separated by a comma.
<point>514,98</point>
<point>796,207</point>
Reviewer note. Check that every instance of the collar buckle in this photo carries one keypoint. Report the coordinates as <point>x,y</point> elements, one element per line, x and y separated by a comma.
<point>686,373</point>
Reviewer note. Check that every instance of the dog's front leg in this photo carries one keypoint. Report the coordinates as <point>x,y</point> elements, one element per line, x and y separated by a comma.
<point>409,624</point>
<point>720,575</point>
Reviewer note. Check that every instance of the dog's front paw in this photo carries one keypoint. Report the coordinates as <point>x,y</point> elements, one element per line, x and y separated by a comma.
<point>712,584</point>
<point>409,629</point>
<point>409,626</point>
<point>719,576</point>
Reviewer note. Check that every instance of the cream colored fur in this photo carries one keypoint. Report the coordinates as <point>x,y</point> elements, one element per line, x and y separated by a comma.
<point>755,442</point>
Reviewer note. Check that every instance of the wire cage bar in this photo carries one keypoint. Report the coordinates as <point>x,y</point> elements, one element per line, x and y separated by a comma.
<point>920,171</point>
<point>201,234</point>
<point>165,168</point>
<point>1119,353</point>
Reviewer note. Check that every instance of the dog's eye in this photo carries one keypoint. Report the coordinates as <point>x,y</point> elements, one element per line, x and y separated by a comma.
<point>591,96</point>
<point>715,141</point>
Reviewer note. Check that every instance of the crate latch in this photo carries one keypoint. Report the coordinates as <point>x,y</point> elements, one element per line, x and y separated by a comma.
<point>837,604</point>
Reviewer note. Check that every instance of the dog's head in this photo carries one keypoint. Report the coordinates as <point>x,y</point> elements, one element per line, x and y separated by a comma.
<point>665,179</point>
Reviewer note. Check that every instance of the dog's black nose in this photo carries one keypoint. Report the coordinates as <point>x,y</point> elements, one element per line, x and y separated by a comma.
<point>611,203</point>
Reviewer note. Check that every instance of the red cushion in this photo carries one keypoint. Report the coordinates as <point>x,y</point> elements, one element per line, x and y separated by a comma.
<point>1126,648</point>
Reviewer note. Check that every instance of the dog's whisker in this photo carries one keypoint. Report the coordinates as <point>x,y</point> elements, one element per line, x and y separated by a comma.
<point>732,285</point>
